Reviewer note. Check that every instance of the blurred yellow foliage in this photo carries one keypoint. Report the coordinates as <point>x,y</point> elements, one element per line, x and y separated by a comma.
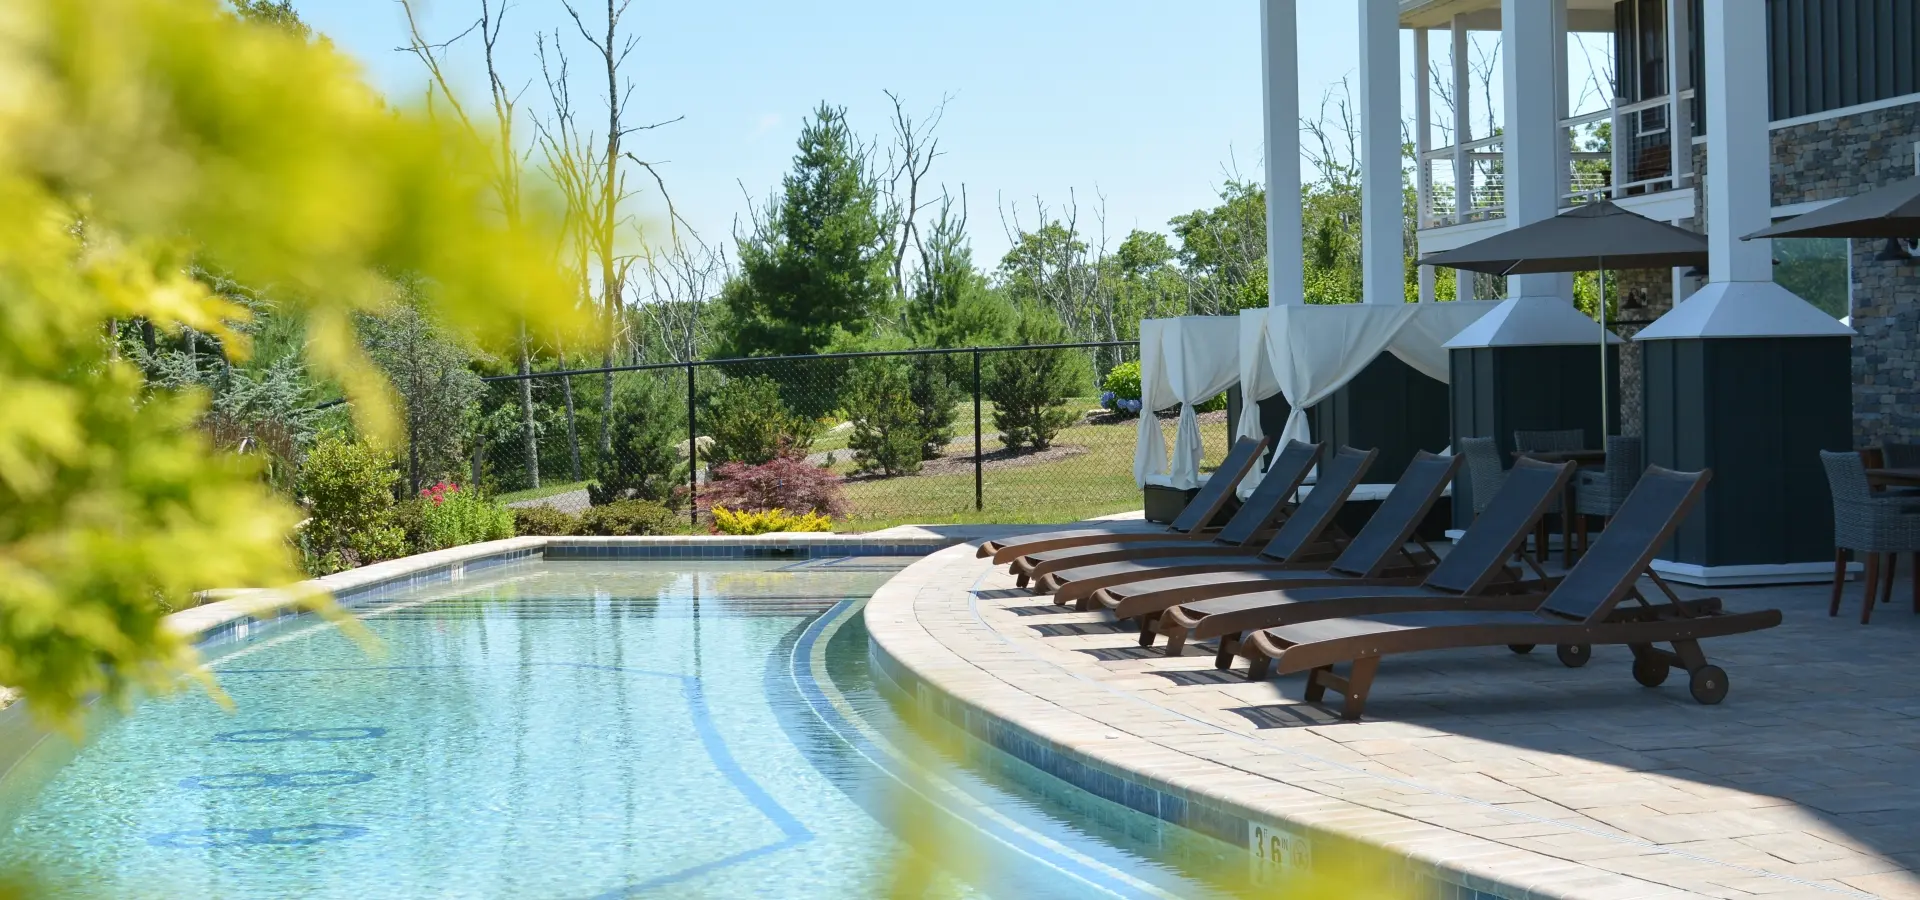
<point>138,137</point>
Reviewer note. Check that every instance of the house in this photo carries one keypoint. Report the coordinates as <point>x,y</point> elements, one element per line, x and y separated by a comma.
<point>1724,115</point>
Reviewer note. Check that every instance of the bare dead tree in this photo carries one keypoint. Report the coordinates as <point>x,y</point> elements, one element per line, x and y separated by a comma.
<point>681,280</point>
<point>508,162</point>
<point>909,159</point>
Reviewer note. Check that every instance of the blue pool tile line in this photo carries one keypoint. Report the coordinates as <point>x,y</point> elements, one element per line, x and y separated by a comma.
<point>1127,789</point>
<point>566,550</point>
<point>574,549</point>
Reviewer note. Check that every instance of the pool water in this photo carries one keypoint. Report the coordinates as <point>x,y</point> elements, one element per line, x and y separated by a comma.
<point>589,729</point>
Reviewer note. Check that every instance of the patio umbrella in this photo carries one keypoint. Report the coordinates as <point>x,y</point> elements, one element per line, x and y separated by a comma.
<point>1586,238</point>
<point>1886,212</point>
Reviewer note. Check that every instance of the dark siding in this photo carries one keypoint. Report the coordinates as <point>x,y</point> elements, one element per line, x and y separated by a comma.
<point>1828,54</point>
<point>1390,407</point>
<point>1756,411</point>
<point>1822,54</point>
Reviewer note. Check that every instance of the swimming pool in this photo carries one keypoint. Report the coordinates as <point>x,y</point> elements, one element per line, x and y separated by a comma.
<point>575,729</point>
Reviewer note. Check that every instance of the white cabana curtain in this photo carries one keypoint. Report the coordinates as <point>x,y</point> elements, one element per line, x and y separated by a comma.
<point>1306,353</point>
<point>1421,342</point>
<point>1316,350</point>
<point>1185,361</point>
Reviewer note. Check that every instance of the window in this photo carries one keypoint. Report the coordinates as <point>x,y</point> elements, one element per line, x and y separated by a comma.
<point>1820,270</point>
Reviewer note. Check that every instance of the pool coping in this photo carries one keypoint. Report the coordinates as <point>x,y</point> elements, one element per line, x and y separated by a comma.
<point>1089,744</point>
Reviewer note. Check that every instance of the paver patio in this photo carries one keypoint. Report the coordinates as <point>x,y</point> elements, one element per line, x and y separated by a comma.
<point>1564,782</point>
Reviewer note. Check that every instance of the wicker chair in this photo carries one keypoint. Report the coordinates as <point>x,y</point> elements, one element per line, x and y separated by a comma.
<point>1875,525</point>
<point>1485,474</point>
<point>1599,492</point>
<point>1550,441</point>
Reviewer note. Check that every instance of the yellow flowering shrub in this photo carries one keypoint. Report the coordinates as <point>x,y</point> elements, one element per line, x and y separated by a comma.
<point>767,521</point>
<point>137,138</point>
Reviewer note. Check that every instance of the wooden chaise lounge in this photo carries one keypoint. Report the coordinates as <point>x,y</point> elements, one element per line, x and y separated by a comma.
<point>1297,545</point>
<point>1476,569</point>
<point>1196,518</point>
<point>1251,526</point>
<point>1583,610</point>
<point>1378,555</point>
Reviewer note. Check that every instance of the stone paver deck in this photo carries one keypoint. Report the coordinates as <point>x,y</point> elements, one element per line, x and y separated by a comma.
<point>1512,773</point>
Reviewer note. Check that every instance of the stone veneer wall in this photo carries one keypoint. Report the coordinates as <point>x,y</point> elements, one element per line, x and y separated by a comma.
<point>1841,157</point>
<point>1836,158</point>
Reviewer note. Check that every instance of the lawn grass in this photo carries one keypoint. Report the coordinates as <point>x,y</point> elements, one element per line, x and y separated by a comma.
<point>1096,483</point>
<point>545,490</point>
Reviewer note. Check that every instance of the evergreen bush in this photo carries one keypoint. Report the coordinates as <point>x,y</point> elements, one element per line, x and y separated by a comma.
<point>629,518</point>
<point>887,435</point>
<point>647,428</point>
<point>1030,388</point>
<point>750,424</point>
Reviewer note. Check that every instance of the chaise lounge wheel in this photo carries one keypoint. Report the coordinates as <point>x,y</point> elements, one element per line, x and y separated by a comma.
<point>1573,656</point>
<point>1709,685</point>
<point>1520,648</point>
<point>1650,671</point>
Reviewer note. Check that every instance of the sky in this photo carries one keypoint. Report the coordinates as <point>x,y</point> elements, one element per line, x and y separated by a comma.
<point>1143,107</point>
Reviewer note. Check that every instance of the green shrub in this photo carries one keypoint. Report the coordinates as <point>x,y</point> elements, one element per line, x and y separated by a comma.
<point>1120,392</point>
<point>1124,381</point>
<point>887,435</point>
<point>1030,388</point>
<point>629,518</point>
<point>410,516</point>
<point>750,424</point>
<point>647,427</point>
<point>455,518</point>
<point>544,520</point>
<point>347,489</point>
<point>938,389</point>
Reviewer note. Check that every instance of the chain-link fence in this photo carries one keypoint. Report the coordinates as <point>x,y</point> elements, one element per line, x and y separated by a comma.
<point>999,434</point>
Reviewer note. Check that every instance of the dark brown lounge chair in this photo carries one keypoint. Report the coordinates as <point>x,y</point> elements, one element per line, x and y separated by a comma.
<point>1477,566</point>
<point>1298,541</point>
<point>1582,610</point>
<point>1269,502</point>
<point>1377,555</point>
<point>1196,518</point>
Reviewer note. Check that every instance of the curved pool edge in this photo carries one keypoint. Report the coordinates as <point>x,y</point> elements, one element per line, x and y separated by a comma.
<point>1088,745</point>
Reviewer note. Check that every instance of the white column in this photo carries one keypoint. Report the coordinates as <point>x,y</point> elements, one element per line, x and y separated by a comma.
<point>1532,129</point>
<point>1382,245</point>
<point>1462,135</point>
<point>1279,51</point>
<point>1739,175</point>
<point>1422,143</point>
<point>1740,298</point>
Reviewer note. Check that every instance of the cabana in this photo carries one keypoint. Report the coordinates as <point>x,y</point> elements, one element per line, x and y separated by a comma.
<point>1306,354</point>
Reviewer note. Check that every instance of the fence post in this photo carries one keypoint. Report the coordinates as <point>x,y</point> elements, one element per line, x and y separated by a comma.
<point>979,484</point>
<point>693,457</point>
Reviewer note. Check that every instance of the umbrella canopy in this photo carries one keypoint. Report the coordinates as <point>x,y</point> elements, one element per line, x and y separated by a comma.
<point>1598,235</point>
<point>1887,212</point>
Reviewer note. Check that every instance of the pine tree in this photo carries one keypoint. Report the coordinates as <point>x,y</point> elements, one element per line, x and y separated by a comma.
<point>816,266</point>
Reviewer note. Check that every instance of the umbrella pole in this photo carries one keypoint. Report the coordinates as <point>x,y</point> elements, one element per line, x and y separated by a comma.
<point>1603,353</point>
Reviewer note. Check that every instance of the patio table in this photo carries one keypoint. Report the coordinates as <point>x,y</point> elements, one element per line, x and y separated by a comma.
<point>1581,459</point>
<point>1884,477</point>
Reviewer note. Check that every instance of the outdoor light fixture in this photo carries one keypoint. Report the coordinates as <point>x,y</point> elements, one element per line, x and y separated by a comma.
<point>1900,250</point>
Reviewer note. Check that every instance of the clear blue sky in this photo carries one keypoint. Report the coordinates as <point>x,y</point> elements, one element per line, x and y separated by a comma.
<point>1144,101</point>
